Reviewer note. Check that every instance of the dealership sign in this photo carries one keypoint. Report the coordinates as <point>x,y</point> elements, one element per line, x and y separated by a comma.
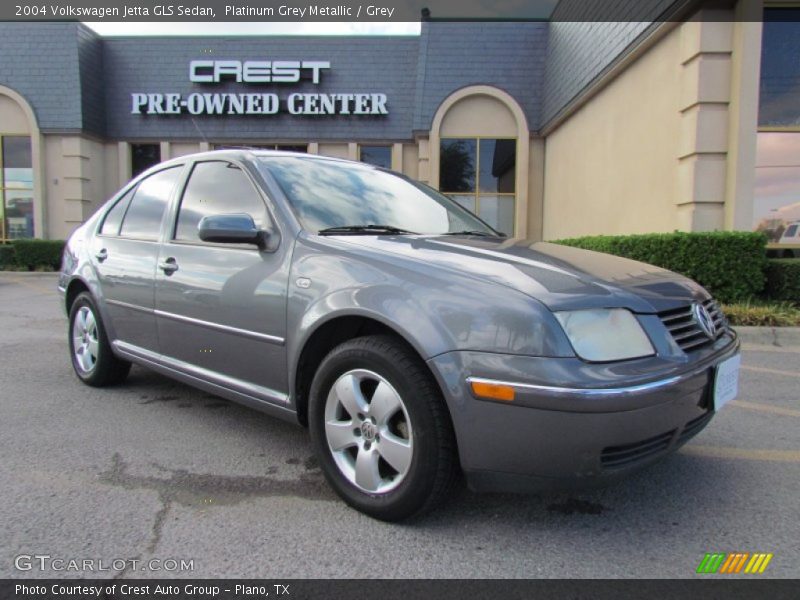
<point>257,72</point>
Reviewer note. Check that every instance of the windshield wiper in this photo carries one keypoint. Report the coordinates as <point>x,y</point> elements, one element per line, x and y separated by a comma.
<point>474,232</point>
<point>356,229</point>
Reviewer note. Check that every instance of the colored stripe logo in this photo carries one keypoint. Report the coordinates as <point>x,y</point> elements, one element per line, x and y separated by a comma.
<point>734,562</point>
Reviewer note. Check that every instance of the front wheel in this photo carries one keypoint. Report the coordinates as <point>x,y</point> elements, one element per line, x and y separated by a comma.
<point>92,357</point>
<point>381,430</point>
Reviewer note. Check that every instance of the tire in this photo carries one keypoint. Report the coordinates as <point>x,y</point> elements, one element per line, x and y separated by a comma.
<point>395,458</point>
<point>92,358</point>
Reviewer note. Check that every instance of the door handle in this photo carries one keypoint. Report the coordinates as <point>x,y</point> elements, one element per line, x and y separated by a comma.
<point>169,266</point>
<point>102,255</point>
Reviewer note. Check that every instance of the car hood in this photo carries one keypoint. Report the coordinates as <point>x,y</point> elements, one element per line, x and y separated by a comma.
<point>559,276</point>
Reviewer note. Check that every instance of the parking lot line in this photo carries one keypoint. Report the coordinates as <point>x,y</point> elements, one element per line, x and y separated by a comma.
<point>771,371</point>
<point>768,348</point>
<point>32,286</point>
<point>777,410</point>
<point>790,456</point>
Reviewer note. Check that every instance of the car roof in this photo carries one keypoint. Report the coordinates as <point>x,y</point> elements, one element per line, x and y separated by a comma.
<point>245,153</point>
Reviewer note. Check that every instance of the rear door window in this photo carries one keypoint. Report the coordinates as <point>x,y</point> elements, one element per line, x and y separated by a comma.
<point>143,218</point>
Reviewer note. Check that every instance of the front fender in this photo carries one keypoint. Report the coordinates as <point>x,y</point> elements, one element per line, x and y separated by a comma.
<point>434,311</point>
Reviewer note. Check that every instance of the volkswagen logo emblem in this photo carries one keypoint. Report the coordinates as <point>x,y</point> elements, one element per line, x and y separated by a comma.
<point>368,430</point>
<point>704,320</point>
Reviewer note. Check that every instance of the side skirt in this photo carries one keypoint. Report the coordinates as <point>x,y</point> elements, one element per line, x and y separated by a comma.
<point>260,398</point>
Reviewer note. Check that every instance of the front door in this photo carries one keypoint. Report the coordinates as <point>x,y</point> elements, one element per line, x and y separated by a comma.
<point>221,308</point>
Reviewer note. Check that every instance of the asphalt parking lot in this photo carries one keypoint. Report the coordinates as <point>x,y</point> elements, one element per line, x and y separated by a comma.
<point>156,469</point>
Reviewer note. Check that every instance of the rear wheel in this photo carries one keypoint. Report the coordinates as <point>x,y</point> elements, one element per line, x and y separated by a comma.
<point>92,357</point>
<point>380,428</point>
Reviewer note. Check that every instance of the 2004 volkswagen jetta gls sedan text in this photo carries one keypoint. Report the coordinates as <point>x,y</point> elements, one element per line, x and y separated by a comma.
<point>412,339</point>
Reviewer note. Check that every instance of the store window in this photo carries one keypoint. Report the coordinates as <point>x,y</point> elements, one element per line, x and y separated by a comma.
<point>144,156</point>
<point>480,174</point>
<point>380,156</point>
<point>283,147</point>
<point>777,187</point>
<point>16,187</point>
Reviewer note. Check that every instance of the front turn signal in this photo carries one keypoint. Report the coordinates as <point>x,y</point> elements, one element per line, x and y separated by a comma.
<point>493,391</point>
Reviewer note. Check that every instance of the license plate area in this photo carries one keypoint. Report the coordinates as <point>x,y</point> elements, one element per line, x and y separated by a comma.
<point>726,381</point>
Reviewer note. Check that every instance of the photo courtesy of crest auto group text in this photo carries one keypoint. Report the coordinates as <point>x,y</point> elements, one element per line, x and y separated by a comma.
<point>322,300</point>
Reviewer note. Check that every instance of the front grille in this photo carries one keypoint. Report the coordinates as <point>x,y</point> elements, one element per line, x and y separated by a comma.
<point>624,456</point>
<point>686,331</point>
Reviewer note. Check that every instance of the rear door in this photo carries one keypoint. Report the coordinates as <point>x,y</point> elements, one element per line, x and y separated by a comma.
<point>124,254</point>
<point>221,308</point>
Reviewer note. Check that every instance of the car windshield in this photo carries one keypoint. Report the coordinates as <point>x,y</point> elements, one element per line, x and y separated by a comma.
<point>327,194</point>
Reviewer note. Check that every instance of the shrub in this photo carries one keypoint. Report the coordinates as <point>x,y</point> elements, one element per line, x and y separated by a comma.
<point>38,254</point>
<point>730,264</point>
<point>7,256</point>
<point>762,314</point>
<point>783,279</point>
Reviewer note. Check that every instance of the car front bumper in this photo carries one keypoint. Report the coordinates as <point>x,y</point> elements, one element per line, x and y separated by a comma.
<point>573,425</point>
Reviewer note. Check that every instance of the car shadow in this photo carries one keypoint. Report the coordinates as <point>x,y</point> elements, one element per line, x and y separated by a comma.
<point>668,491</point>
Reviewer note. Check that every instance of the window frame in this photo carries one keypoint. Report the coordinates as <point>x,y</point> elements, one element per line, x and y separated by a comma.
<point>477,193</point>
<point>270,224</point>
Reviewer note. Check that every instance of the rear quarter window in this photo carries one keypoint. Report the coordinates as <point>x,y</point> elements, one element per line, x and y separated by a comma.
<point>113,218</point>
<point>146,210</point>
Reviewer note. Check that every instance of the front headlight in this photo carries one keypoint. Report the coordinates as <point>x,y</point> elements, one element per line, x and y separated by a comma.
<point>605,334</point>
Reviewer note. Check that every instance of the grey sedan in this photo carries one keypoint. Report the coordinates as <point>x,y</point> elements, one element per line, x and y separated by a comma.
<point>413,340</point>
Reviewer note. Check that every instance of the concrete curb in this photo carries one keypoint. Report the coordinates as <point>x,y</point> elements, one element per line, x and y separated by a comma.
<point>781,337</point>
<point>28,273</point>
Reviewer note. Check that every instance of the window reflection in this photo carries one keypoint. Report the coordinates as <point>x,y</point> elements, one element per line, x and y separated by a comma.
<point>498,162</point>
<point>16,188</point>
<point>143,218</point>
<point>777,189</point>
<point>334,194</point>
<point>457,165</point>
<point>214,188</point>
<point>780,68</point>
<point>144,156</point>
<point>379,156</point>
<point>480,174</point>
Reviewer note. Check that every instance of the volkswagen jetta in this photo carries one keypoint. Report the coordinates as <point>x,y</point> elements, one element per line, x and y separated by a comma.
<point>413,340</point>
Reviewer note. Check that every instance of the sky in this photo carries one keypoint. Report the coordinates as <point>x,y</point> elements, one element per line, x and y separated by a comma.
<point>170,28</point>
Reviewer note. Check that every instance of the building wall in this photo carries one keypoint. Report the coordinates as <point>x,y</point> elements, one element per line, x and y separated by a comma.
<point>12,117</point>
<point>667,143</point>
<point>80,174</point>
<point>611,167</point>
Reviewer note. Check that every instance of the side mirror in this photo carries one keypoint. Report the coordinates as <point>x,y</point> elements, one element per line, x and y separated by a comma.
<point>236,228</point>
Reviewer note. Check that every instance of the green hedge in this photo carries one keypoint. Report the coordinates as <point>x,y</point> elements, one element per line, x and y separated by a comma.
<point>729,264</point>
<point>783,279</point>
<point>38,254</point>
<point>8,256</point>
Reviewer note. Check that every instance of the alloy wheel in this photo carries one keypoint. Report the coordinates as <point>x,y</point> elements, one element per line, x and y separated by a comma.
<point>368,431</point>
<point>84,339</point>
